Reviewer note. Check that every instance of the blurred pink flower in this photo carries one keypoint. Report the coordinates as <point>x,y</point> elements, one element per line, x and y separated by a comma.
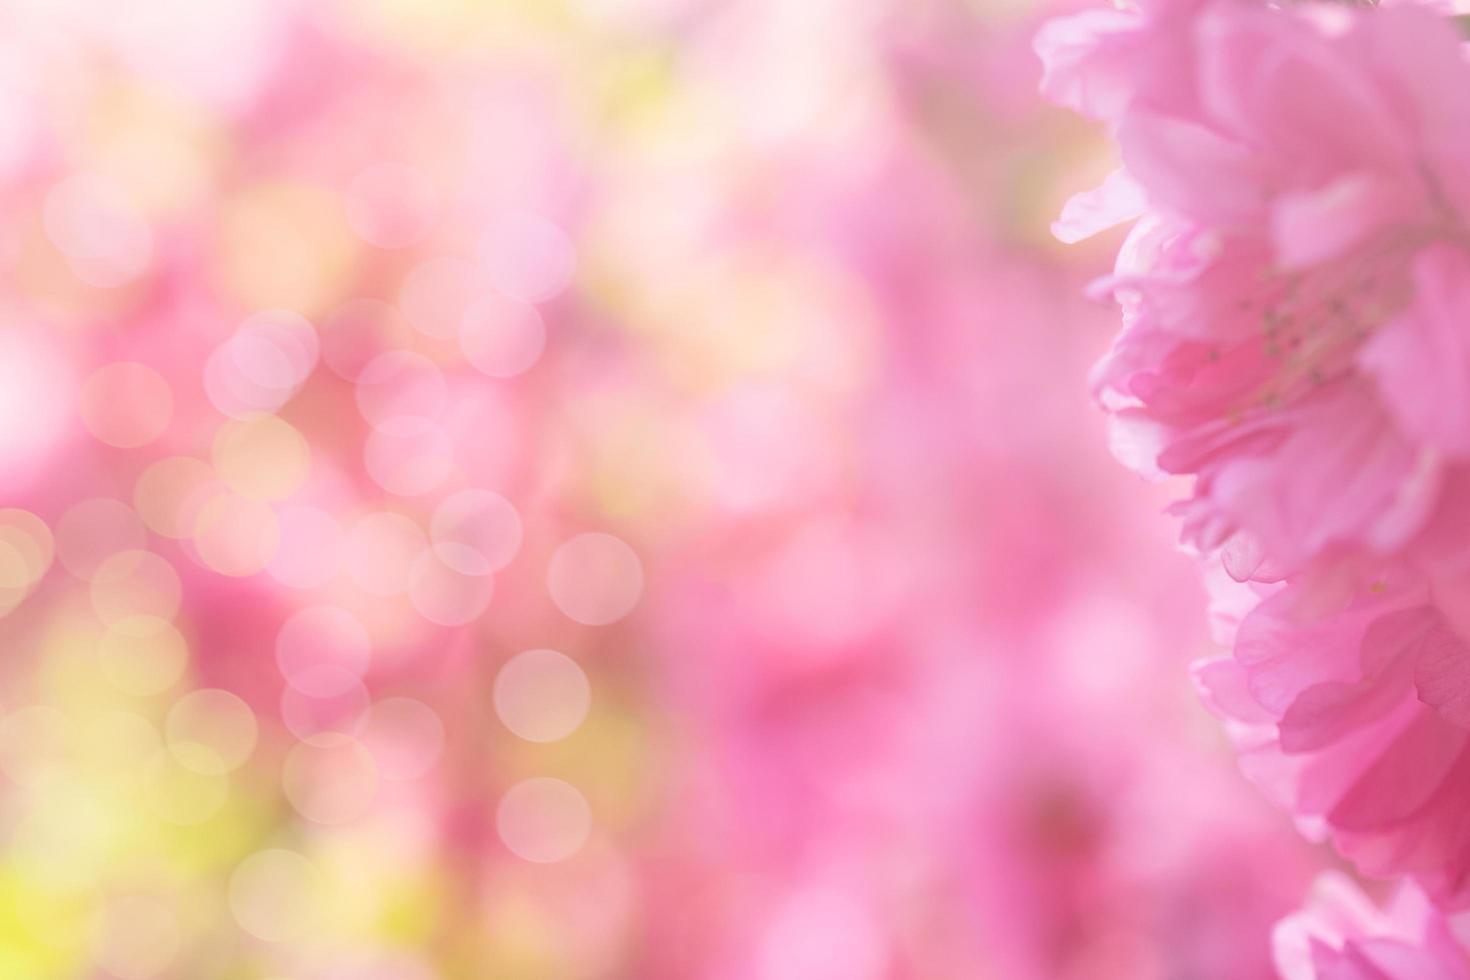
<point>1340,935</point>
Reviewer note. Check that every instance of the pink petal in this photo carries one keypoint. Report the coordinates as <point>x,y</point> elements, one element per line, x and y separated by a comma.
<point>1223,686</point>
<point>1314,226</point>
<point>1088,59</point>
<point>1116,200</point>
<point>1421,361</point>
<point>1297,94</point>
<point>1407,776</point>
<point>1342,473</point>
<point>1442,676</point>
<point>1190,169</point>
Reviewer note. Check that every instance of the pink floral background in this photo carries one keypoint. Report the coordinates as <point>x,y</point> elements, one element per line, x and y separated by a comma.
<point>584,489</point>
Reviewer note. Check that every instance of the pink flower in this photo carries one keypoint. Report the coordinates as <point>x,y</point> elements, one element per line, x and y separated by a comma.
<point>1294,293</point>
<point>1357,719</point>
<point>1342,936</point>
<point>1097,61</point>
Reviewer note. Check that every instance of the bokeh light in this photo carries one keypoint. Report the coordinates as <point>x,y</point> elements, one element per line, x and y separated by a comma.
<point>542,695</point>
<point>126,404</point>
<point>595,578</point>
<point>543,820</point>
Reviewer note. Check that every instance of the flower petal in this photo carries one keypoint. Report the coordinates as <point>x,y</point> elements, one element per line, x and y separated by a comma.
<point>1116,200</point>
<point>1421,360</point>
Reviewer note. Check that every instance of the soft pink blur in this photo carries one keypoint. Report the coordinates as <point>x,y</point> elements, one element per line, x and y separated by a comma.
<point>354,355</point>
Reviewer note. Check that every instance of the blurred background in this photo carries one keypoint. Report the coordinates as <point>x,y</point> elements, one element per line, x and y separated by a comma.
<point>581,489</point>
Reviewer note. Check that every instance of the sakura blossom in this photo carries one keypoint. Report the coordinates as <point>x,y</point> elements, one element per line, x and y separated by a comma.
<point>1291,302</point>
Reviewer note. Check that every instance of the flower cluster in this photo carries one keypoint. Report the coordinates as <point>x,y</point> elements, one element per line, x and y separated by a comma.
<point>1296,294</point>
